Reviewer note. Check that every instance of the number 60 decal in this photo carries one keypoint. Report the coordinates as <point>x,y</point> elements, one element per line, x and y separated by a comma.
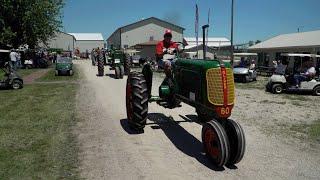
<point>225,111</point>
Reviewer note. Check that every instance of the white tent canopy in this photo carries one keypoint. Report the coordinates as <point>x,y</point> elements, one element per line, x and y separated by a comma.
<point>245,54</point>
<point>300,55</point>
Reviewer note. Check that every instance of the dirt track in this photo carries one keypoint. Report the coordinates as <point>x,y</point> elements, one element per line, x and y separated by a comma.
<point>173,149</point>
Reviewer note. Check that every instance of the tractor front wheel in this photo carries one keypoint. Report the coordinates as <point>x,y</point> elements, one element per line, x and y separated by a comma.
<point>215,142</point>
<point>137,101</point>
<point>237,141</point>
<point>204,116</point>
<point>117,72</point>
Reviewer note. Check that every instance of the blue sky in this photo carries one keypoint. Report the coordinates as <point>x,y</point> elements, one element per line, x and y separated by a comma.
<point>254,19</point>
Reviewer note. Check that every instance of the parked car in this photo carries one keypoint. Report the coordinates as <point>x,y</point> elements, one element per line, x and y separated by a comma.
<point>64,65</point>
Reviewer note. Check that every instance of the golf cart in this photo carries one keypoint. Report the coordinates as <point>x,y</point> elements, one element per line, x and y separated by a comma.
<point>64,65</point>
<point>280,82</point>
<point>11,78</point>
<point>243,72</point>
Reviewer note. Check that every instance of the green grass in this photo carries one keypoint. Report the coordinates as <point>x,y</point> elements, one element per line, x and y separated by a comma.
<point>21,72</point>
<point>36,140</point>
<point>50,76</point>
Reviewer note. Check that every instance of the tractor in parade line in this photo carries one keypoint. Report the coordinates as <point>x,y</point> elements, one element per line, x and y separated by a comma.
<point>208,86</point>
<point>117,60</point>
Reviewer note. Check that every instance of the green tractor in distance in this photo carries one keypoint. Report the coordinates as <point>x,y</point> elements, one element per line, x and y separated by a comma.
<point>207,85</point>
<point>119,62</point>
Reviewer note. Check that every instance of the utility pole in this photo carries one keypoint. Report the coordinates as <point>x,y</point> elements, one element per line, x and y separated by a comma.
<point>232,50</point>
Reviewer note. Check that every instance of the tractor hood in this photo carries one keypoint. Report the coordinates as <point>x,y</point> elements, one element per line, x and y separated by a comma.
<point>240,70</point>
<point>200,64</point>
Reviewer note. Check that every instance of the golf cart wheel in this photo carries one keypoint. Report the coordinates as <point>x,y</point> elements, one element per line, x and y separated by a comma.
<point>127,65</point>
<point>203,116</point>
<point>117,72</point>
<point>17,84</point>
<point>316,91</point>
<point>136,101</point>
<point>57,73</point>
<point>28,67</point>
<point>121,72</point>
<point>215,142</point>
<point>277,89</point>
<point>100,66</point>
<point>237,141</point>
<point>70,72</point>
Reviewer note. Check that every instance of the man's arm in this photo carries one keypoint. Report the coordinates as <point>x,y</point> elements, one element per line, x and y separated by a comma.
<point>159,50</point>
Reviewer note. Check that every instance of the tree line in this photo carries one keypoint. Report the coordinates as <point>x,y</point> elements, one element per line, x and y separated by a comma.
<point>29,21</point>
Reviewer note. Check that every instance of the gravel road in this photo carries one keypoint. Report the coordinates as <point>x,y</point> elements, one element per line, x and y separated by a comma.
<point>172,149</point>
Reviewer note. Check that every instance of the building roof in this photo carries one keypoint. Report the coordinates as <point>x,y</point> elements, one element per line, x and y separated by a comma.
<point>304,39</point>
<point>88,36</point>
<point>212,42</point>
<point>152,19</point>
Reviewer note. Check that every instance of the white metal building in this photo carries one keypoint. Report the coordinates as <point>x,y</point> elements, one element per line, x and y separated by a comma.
<point>144,31</point>
<point>270,50</point>
<point>88,41</point>
<point>213,45</point>
<point>61,40</point>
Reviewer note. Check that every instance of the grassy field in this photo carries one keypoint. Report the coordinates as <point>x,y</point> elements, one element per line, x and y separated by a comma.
<point>21,72</point>
<point>36,140</point>
<point>50,76</point>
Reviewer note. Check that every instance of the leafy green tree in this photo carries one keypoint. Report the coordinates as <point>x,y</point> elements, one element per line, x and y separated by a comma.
<point>29,21</point>
<point>258,41</point>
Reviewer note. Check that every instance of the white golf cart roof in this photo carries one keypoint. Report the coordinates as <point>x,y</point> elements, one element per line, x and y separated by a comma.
<point>4,51</point>
<point>245,54</point>
<point>131,51</point>
<point>299,55</point>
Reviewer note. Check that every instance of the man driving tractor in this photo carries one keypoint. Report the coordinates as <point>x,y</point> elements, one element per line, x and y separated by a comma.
<point>166,46</point>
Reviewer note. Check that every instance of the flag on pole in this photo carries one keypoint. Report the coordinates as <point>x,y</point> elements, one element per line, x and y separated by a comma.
<point>197,28</point>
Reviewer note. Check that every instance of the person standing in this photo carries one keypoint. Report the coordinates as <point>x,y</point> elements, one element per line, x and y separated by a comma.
<point>13,59</point>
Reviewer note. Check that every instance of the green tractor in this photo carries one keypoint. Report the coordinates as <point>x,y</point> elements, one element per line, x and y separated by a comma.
<point>207,85</point>
<point>119,62</point>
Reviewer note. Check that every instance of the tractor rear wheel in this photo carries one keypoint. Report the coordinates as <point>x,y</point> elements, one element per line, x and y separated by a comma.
<point>137,101</point>
<point>100,66</point>
<point>121,72</point>
<point>215,142</point>
<point>237,141</point>
<point>117,72</point>
<point>127,65</point>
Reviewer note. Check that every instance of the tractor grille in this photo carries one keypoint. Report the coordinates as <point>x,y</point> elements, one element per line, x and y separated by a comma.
<point>218,94</point>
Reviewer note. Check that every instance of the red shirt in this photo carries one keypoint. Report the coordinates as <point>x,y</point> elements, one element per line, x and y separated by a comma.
<point>161,45</point>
